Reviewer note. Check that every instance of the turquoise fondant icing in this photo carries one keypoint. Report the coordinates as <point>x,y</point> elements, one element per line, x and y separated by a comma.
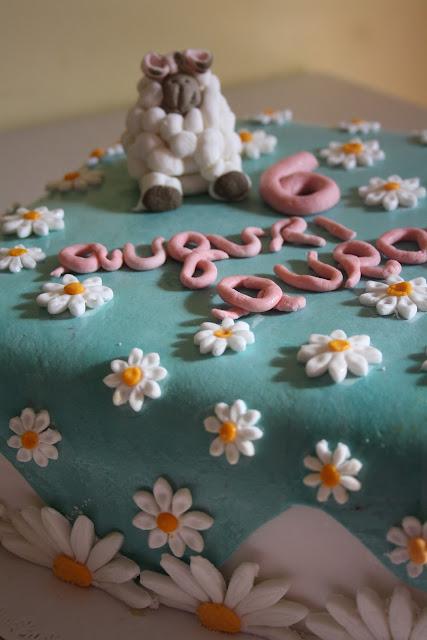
<point>108,453</point>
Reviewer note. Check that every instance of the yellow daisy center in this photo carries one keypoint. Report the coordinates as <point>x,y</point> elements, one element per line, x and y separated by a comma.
<point>31,215</point>
<point>218,617</point>
<point>246,136</point>
<point>357,121</point>
<point>352,148</point>
<point>228,432</point>
<point>131,376</point>
<point>400,289</point>
<point>29,440</point>
<point>97,153</point>
<point>17,251</point>
<point>68,570</point>
<point>269,111</point>
<point>391,186</point>
<point>223,333</point>
<point>417,549</point>
<point>74,288</point>
<point>330,476</point>
<point>167,522</point>
<point>338,345</point>
<point>72,175</point>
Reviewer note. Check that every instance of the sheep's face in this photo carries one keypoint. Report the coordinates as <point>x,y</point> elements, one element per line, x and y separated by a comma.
<point>181,92</point>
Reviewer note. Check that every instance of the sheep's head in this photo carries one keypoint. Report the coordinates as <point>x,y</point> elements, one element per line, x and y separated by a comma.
<point>181,92</point>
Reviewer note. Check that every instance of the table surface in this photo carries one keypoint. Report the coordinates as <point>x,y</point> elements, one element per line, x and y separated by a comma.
<point>32,603</point>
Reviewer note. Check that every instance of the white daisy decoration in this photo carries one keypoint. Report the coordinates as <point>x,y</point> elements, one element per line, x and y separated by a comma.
<point>368,616</point>
<point>216,338</point>
<point>74,554</point>
<point>397,296</point>
<point>109,154</point>
<point>135,379</point>
<point>167,516</point>
<point>34,438</point>
<point>392,193</point>
<point>338,354</point>
<point>411,545</point>
<point>333,472</point>
<point>19,257</point>
<point>256,143</point>
<point>39,221</point>
<point>421,136</point>
<point>273,116</point>
<point>235,430</point>
<point>241,605</point>
<point>358,125</point>
<point>74,295</point>
<point>80,180</point>
<point>353,153</point>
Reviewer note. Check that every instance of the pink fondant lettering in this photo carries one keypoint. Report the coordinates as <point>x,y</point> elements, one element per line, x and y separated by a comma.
<point>200,261</point>
<point>269,296</point>
<point>250,248</point>
<point>336,229</point>
<point>88,258</point>
<point>292,230</point>
<point>138,263</point>
<point>359,258</point>
<point>328,277</point>
<point>386,242</point>
<point>290,187</point>
<point>177,246</point>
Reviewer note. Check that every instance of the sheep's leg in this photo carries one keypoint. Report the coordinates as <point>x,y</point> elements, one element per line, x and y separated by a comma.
<point>219,162</point>
<point>159,192</point>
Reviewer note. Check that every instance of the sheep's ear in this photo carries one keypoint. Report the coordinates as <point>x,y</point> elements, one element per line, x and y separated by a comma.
<point>194,60</point>
<point>155,66</point>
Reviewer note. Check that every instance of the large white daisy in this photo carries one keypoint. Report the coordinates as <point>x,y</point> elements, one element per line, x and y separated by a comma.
<point>39,221</point>
<point>235,430</point>
<point>352,153</point>
<point>33,437</point>
<point>392,193</point>
<point>19,257</point>
<point>167,516</point>
<point>333,472</point>
<point>73,552</point>
<point>199,588</point>
<point>135,379</point>
<point>215,338</point>
<point>370,617</point>
<point>411,545</point>
<point>80,180</point>
<point>396,295</point>
<point>338,354</point>
<point>74,295</point>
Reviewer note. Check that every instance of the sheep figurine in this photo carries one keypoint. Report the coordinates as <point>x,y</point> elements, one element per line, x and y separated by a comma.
<point>180,135</point>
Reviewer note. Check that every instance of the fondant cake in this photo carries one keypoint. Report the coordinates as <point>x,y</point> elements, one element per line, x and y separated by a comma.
<point>188,393</point>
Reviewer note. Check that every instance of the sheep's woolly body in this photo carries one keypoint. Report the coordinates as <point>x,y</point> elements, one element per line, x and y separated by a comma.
<point>185,152</point>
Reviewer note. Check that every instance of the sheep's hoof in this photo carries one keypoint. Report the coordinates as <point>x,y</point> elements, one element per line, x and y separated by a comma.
<point>232,186</point>
<point>160,198</point>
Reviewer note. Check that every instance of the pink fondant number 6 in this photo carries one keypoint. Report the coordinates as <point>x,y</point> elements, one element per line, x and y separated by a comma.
<point>291,187</point>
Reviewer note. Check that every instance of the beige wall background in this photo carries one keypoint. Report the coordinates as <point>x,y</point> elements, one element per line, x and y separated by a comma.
<point>62,58</point>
